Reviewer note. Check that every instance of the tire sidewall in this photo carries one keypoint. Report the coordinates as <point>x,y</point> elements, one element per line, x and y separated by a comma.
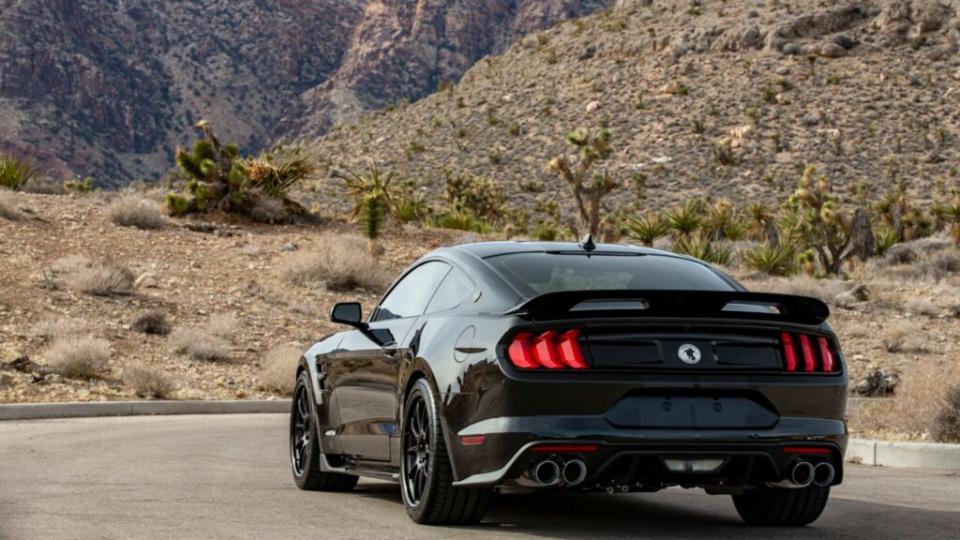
<point>421,389</point>
<point>312,453</point>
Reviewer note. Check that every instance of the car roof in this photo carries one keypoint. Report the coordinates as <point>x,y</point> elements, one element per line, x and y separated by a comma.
<point>484,250</point>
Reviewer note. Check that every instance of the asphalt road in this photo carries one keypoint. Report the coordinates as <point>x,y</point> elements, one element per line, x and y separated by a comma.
<point>227,477</point>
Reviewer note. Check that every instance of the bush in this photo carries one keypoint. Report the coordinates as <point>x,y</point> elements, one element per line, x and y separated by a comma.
<point>15,172</point>
<point>687,219</point>
<point>152,322</point>
<point>223,325</point>
<point>946,424</point>
<point>149,382</point>
<point>8,207</point>
<point>103,279</point>
<point>56,329</point>
<point>78,357</point>
<point>341,264</point>
<point>647,229</point>
<point>199,344</point>
<point>280,368</point>
<point>700,247</point>
<point>129,210</point>
<point>773,260</point>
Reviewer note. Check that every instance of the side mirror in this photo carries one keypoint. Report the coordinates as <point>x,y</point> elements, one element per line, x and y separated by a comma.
<point>348,313</point>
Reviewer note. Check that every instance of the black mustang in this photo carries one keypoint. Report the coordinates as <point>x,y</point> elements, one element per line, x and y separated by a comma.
<point>580,367</point>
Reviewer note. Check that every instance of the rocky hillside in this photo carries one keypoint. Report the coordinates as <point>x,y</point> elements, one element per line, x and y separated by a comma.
<point>109,88</point>
<point>707,97</point>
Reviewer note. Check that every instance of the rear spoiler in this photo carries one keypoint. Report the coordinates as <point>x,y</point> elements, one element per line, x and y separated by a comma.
<point>683,304</point>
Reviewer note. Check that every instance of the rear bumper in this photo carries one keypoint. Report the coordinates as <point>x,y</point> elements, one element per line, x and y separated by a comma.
<point>635,456</point>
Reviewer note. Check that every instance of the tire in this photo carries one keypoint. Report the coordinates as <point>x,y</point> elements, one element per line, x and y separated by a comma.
<point>305,445</point>
<point>782,507</point>
<point>426,477</point>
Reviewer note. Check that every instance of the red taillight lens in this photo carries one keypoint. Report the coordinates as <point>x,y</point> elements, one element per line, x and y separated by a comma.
<point>817,358</point>
<point>521,351</point>
<point>790,353</point>
<point>550,350</point>
<point>826,355</point>
<point>809,361</point>
<point>569,346</point>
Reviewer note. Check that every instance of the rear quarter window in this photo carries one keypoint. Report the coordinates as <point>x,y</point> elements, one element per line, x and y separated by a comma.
<point>541,273</point>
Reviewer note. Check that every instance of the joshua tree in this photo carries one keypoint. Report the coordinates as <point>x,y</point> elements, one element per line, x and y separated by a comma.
<point>589,188</point>
<point>811,219</point>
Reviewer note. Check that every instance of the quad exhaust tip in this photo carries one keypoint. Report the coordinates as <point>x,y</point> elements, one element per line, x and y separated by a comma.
<point>823,474</point>
<point>574,472</point>
<point>546,473</point>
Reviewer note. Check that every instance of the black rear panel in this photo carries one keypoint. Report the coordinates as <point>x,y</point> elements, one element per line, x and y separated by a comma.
<point>684,348</point>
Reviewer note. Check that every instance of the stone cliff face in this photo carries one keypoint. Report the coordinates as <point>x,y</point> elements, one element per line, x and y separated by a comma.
<point>404,50</point>
<point>109,88</point>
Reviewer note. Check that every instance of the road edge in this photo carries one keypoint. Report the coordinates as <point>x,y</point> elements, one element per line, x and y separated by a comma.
<point>40,411</point>
<point>904,454</point>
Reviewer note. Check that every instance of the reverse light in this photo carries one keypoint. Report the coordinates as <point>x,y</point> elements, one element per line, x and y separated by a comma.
<point>550,349</point>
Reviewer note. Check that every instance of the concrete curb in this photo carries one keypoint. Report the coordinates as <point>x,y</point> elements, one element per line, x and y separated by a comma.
<point>904,454</point>
<point>36,411</point>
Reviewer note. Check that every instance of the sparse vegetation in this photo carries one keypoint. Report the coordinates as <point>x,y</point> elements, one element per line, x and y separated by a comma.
<point>153,322</point>
<point>78,357</point>
<point>341,264</point>
<point>8,207</point>
<point>946,424</point>
<point>51,330</point>
<point>280,368</point>
<point>16,171</point>
<point>773,260</point>
<point>589,187</point>
<point>131,210</point>
<point>149,382</point>
<point>105,278</point>
<point>199,344</point>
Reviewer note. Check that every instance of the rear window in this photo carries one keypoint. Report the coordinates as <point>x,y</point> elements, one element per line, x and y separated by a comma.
<point>541,273</point>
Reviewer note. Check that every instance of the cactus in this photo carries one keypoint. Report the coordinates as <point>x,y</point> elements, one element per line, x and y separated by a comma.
<point>589,188</point>
<point>15,172</point>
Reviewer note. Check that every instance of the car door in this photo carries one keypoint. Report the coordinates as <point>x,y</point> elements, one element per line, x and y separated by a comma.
<point>366,390</point>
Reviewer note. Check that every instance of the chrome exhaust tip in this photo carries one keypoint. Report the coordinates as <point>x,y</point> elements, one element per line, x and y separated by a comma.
<point>545,473</point>
<point>802,474</point>
<point>574,472</point>
<point>823,474</point>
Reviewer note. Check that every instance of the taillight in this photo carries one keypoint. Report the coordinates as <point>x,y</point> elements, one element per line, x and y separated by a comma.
<point>816,359</point>
<point>550,350</point>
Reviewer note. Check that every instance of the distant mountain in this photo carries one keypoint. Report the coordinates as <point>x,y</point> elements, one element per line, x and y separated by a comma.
<point>711,97</point>
<point>109,88</point>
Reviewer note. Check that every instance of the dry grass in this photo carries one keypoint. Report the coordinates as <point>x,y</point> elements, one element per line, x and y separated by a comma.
<point>903,337</point>
<point>153,322</point>
<point>8,206</point>
<point>103,279</point>
<point>131,210</point>
<point>280,367</point>
<point>918,401</point>
<point>52,330</point>
<point>199,344</point>
<point>343,263</point>
<point>222,326</point>
<point>78,357</point>
<point>946,424</point>
<point>826,290</point>
<point>149,382</point>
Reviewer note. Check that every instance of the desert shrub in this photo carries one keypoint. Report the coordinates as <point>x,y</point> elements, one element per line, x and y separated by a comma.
<point>78,357</point>
<point>149,382</point>
<point>130,210</point>
<point>15,171</point>
<point>222,325</point>
<point>588,187</point>
<point>898,213</point>
<point>825,290</point>
<point>153,322</point>
<point>280,368</point>
<point>773,260</point>
<point>701,247</point>
<point>102,279</point>
<point>340,264</point>
<point>373,194</point>
<point>948,263</point>
<point>945,426</point>
<point>410,207</point>
<point>687,219</point>
<point>647,229</point>
<point>51,330</point>
<point>811,219</point>
<point>899,254</point>
<point>885,238</point>
<point>949,214</point>
<point>8,207</point>
<point>903,338</point>
<point>460,219</point>
<point>219,178</point>
<point>199,344</point>
<point>476,195</point>
<point>79,186</point>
